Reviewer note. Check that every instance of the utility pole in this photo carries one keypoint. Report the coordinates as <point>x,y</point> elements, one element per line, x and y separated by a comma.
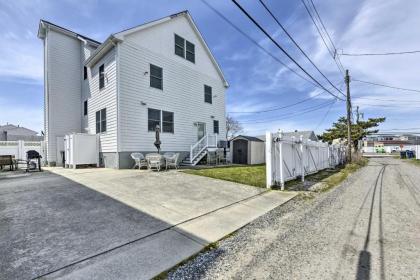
<point>357,114</point>
<point>347,80</point>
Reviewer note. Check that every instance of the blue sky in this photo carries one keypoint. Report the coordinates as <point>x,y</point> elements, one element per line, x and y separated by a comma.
<point>257,81</point>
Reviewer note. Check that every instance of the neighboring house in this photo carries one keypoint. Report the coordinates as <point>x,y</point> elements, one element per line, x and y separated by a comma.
<point>306,135</point>
<point>159,73</point>
<point>10,132</point>
<point>388,143</point>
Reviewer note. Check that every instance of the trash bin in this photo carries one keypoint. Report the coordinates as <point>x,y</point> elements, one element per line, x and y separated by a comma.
<point>403,154</point>
<point>410,154</point>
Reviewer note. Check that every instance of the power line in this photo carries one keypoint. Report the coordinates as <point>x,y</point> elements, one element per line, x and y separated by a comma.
<point>379,54</point>
<point>325,116</point>
<point>256,43</point>
<point>389,100</point>
<point>388,86</point>
<point>276,108</point>
<point>332,53</point>
<point>288,115</point>
<point>297,45</point>
<point>280,47</point>
<point>335,56</point>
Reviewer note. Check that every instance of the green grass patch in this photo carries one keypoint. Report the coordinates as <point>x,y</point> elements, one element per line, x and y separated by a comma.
<point>414,161</point>
<point>253,175</point>
<point>341,175</point>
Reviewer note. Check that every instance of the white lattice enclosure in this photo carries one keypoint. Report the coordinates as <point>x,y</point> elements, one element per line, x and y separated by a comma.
<point>19,148</point>
<point>288,159</point>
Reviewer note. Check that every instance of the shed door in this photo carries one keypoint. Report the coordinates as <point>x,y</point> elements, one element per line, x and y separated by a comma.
<point>240,151</point>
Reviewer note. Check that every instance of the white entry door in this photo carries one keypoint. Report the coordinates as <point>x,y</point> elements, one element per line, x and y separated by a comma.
<point>201,130</point>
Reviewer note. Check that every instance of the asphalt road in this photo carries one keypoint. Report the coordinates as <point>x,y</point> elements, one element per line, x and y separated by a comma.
<point>366,228</point>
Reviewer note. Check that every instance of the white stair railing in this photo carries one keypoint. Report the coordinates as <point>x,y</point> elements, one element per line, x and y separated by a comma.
<point>198,148</point>
<point>202,144</point>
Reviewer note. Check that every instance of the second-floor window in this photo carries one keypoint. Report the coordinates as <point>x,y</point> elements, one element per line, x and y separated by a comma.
<point>156,76</point>
<point>101,76</point>
<point>85,108</point>
<point>101,121</point>
<point>208,97</point>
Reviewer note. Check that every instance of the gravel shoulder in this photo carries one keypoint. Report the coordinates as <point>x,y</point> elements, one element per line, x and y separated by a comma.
<point>366,228</point>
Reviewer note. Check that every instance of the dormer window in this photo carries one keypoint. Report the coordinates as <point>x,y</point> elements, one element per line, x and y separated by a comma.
<point>184,48</point>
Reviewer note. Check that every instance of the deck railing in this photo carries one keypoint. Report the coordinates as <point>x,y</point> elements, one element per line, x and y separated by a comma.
<point>201,145</point>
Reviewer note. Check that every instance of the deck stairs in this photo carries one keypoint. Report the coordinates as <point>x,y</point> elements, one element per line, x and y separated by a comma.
<point>199,150</point>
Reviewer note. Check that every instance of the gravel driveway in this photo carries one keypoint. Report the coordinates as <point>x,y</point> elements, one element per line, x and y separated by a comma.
<point>367,228</point>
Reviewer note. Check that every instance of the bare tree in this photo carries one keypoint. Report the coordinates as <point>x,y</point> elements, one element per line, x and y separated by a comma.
<point>233,127</point>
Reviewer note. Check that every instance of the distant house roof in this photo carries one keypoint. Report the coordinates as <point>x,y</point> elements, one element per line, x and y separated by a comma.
<point>309,134</point>
<point>249,138</point>
<point>17,130</point>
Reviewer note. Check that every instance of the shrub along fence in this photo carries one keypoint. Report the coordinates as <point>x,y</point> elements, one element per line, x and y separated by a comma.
<point>288,159</point>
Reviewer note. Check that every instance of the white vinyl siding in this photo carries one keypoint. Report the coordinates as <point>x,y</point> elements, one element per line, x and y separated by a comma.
<point>182,95</point>
<point>104,98</point>
<point>161,39</point>
<point>63,100</point>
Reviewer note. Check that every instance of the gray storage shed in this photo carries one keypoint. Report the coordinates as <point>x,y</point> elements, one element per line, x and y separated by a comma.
<point>247,150</point>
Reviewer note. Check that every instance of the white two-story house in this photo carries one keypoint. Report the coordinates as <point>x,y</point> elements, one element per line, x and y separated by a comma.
<point>159,73</point>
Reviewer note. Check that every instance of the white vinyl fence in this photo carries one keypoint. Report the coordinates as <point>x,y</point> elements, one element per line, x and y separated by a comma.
<point>19,148</point>
<point>288,159</point>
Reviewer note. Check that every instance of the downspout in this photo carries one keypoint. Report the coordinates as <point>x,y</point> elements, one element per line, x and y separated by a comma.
<point>117,84</point>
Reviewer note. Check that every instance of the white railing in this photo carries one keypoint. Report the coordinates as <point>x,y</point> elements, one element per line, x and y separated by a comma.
<point>202,144</point>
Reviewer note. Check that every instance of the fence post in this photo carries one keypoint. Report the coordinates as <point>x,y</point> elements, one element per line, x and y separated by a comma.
<point>268,159</point>
<point>302,158</point>
<point>281,159</point>
<point>21,145</point>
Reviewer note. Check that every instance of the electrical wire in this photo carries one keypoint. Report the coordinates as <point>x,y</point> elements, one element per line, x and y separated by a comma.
<point>388,86</point>
<point>379,54</point>
<point>332,53</point>
<point>325,116</point>
<point>281,48</point>
<point>256,43</point>
<point>288,115</point>
<point>297,45</point>
<point>276,108</point>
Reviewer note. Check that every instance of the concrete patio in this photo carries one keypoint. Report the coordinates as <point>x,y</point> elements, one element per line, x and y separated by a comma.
<point>107,224</point>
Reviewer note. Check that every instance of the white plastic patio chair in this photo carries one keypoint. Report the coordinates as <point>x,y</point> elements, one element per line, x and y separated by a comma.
<point>139,160</point>
<point>171,159</point>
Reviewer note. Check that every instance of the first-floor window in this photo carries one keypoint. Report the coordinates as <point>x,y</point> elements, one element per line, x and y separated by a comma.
<point>153,119</point>
<point>216,127</point>
<point>164,119</point>
<point>101,121</point>
<point>167,122</point>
